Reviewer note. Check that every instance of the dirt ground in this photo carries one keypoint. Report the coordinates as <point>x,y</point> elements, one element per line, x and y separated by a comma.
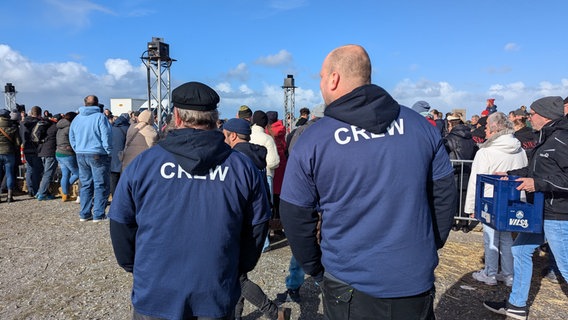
<point>54,267</point>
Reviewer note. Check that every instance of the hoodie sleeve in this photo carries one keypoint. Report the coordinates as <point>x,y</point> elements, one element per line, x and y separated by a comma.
<point>106,134</point>
<point>272,158</point>
<point>123,237</point>
<point>442,193</point>
<point>301,230</point>
<point>72,139</point>
<point>255,224</point>
<point>123,225</point>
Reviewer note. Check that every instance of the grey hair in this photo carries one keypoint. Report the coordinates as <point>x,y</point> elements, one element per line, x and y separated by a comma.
<point>199,119</point>
<point>498,121</point>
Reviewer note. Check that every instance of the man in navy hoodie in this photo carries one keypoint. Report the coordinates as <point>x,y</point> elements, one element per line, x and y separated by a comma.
<point>188,216</point>
<point>382,179</point>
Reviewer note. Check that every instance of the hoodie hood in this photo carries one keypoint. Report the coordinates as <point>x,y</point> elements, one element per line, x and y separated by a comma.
<point>146,116</point>
<point>122,120</point>
<point>504,141</point>
<point>368,107</point>
<point>197,151</point>
<point>89,110</point>
<point>63,123</point>
<point>255,152</point>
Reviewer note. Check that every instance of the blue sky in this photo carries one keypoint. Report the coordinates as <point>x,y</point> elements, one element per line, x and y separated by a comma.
<point>453,54</point>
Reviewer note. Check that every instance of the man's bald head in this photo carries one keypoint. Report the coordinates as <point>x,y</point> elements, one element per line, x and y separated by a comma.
<point>352,62</point>
<point>344,69</point>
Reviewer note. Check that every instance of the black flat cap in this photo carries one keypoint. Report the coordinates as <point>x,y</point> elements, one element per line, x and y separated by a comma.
<point>195,96</point>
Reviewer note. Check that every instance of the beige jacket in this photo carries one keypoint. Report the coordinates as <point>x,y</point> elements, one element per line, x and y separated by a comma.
<point>139,137</point>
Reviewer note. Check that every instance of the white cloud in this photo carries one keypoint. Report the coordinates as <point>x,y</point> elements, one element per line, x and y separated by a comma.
<point>281,58</point>
<point>224,87</point>
<point>118,68</point>
<point>61,87</point>
<point>269,97</point>
<point>511,46</point>
<point>245,89</point>
<point>444,97</point>
<point>240,72</point>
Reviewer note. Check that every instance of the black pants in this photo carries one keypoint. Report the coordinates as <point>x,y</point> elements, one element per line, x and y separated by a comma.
<point>254,294</point>
<point>138,316</point>
<point>343,302</point>
<point>114,176</point>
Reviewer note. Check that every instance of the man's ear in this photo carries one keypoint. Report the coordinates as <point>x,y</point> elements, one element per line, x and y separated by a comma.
<point>334,81</point>
<point>177,120</point>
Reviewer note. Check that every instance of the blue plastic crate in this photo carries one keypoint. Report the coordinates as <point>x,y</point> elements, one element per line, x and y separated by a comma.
<point>504,211</point>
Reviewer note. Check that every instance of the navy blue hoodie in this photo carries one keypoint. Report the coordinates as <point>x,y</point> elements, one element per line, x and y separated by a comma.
<point>382,179</point>
<point>188,216</point>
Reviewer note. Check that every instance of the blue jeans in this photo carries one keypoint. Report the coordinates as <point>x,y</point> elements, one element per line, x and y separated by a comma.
<point>69,172</point>
<point>94,174</point>
<point>49,168</point>
<point>497,245</point>
<point>296,277</point>
<point>34,171</point>
<point>556,232</point>
<point>7,163</point>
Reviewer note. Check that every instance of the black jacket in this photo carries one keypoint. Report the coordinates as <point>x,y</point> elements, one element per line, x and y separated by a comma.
<point>49,145</point>
<point>548,166</point>
<point>26,128</point>
<point>527,137</point>
<point>459,143</point>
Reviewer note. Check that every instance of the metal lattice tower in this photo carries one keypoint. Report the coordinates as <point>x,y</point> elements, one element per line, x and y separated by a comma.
<point>10,96</point>
<point>158,63</point>
<point>289,103</point>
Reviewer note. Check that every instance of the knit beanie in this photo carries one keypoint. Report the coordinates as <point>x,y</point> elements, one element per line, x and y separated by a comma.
<point>421,106</point>
<point>244,112</point>
<point>272,116</point>
<point>259,118</point>
<point>549,107</point>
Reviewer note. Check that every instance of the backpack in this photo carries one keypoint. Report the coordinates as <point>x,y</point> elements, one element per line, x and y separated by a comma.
<point>39,131</point>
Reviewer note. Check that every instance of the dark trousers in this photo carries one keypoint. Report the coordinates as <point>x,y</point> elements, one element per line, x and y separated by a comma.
<point>254,294</point>
<point>138,316</point>
<point>343,302</point>
<point>114,176</point>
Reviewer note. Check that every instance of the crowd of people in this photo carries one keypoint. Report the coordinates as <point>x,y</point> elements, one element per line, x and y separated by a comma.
<point>193,206</point>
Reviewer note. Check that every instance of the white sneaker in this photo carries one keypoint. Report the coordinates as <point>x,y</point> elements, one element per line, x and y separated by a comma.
<point>508,280</point>
<point>482,277</point>
<point>78,200</point>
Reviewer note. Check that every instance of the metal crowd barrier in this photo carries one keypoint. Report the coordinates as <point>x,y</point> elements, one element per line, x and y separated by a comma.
<point>462,169</point>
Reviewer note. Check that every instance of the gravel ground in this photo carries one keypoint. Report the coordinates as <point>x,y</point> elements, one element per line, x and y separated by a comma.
<point>54,267</point>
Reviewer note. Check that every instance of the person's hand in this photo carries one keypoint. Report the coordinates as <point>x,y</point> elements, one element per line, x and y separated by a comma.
<point>500,173</point>
<point>527,184</point>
